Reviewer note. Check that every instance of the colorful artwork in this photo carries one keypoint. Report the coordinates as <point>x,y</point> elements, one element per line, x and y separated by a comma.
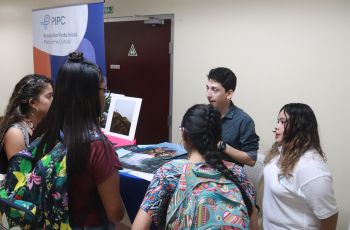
<point>148,158</point>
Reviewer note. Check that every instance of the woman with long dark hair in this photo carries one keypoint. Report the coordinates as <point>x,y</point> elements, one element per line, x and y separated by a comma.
<point>298,190</point>
<point>93,181</point>
<point>201,133</point>
<point>28,104</point>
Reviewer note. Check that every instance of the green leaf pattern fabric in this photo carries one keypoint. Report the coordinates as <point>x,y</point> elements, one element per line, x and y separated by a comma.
<point>25,200</point>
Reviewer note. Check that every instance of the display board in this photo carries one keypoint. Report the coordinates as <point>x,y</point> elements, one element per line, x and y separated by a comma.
<point>59,31</point>
<point>121,115</point>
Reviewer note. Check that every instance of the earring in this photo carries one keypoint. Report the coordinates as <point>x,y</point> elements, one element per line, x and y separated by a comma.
<point>35,110</point>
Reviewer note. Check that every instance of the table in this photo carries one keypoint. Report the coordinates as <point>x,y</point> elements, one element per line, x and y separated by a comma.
<point>120,141</point>
<point>133,189</point>
<point>134,184</point>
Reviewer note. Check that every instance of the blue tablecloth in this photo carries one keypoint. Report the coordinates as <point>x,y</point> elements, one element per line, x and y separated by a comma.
<point>132,190</point>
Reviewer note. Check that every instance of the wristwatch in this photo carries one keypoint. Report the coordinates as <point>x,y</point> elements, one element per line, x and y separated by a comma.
<point>222,146</point>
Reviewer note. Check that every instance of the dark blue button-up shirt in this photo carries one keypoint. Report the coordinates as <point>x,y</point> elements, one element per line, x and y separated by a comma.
<point>238,131</point>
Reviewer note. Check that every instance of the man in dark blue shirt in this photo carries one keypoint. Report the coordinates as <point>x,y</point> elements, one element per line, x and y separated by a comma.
<point>239,140</point>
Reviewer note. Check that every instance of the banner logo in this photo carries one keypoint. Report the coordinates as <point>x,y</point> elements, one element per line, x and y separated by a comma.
<point>46,21</point>
<point>56,20</point>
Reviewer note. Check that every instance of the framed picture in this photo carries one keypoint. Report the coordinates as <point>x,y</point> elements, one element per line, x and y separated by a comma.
<point>122,117</point>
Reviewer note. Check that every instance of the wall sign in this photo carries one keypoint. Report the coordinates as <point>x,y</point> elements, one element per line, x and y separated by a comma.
<point>132,51</point>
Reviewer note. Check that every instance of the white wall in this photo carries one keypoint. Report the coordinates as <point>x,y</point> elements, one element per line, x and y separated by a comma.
<point>16,42</point>
<point>16,51</point>
<point>282,51</point>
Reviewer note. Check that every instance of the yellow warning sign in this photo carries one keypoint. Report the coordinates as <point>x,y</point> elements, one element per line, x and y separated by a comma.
<point>132,51</point>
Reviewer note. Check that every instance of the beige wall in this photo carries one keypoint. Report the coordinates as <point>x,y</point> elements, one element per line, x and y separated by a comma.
<point>282,51</point>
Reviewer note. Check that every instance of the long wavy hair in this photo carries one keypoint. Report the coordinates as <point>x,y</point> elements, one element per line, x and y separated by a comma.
<point>75,111</point>
<point>28,88</point>
<point>202,131</point>
<point>300,134</point>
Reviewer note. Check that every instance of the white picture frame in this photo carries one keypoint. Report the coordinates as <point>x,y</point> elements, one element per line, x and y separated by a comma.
<point>122,111</point>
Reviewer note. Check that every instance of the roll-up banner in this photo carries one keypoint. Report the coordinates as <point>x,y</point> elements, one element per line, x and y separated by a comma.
<point>59,31</point>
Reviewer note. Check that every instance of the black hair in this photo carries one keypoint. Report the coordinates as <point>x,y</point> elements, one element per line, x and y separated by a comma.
<point>75,111</point>
<point>224,76</point>
<point>202,131</point>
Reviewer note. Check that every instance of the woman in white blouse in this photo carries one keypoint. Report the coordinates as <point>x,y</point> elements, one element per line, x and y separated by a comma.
<point>298,190</point>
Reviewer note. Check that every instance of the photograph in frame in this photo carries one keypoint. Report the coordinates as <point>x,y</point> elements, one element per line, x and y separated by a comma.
<point>122,118</point>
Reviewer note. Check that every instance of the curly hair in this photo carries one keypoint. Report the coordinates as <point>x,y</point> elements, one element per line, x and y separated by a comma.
<point>300,134</point>
<point>28,88</point>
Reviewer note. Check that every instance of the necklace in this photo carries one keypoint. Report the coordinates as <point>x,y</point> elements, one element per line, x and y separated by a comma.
<point>29,124</point>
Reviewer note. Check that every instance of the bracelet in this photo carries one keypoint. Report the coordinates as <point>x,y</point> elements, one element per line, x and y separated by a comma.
<point>222,146</point>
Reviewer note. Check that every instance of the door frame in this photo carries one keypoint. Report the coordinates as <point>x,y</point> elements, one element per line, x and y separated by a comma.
<point>171,52</point>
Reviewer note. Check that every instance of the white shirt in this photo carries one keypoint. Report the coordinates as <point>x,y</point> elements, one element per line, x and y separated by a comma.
<point>301,201</point>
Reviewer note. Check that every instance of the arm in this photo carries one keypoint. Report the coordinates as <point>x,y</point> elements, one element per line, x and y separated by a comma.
<point>103,164</point>
<point>320,197</point>
<point>246,145</point>
<point>329,223</point>
<point>254,225</point>
<point>13,142</point>
<point>155,203</point>
<point>241,157</point>
<point>111,198</point>
<point>142,221</point>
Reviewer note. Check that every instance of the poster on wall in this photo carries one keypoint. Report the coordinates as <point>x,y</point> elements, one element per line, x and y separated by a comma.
<point>59,31</point>
<point>123,114</point>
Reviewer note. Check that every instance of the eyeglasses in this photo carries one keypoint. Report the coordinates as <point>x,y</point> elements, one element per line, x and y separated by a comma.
<point>106,92</point>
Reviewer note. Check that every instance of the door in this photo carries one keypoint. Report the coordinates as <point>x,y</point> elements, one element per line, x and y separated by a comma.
<point>138,65</point>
